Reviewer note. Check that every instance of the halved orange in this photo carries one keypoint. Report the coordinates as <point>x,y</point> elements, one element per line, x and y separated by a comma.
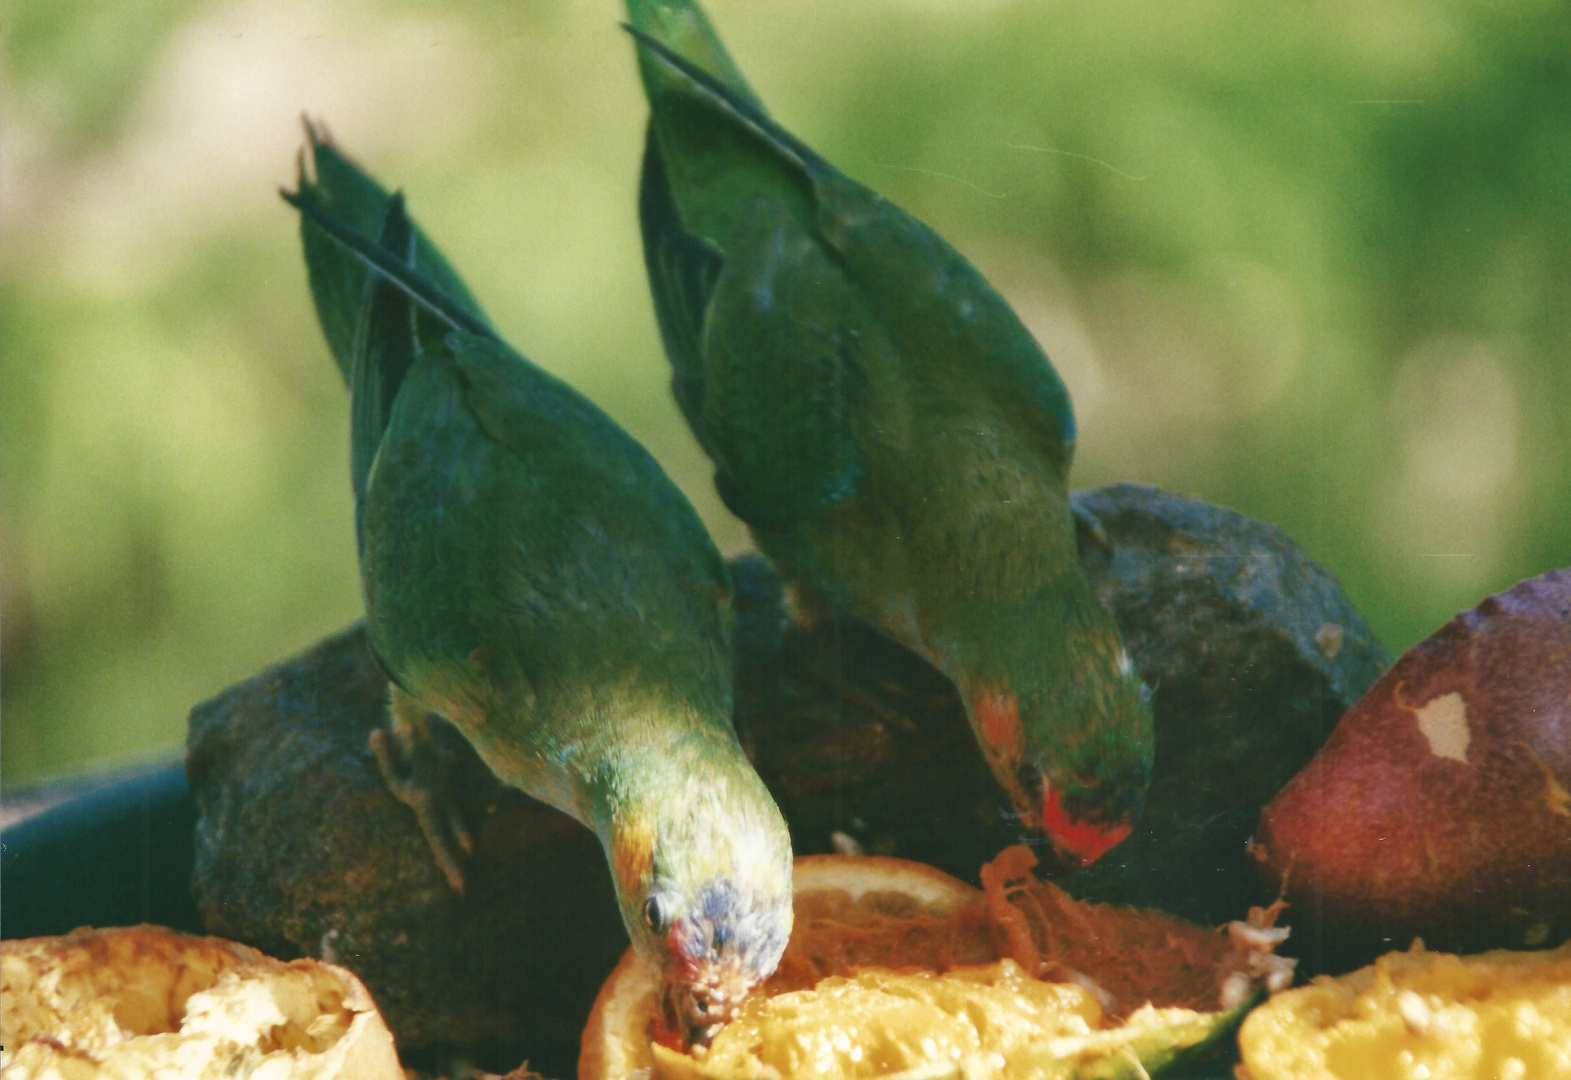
<point>1417,1013</point>
<point>147,1001</point>
<point>895,968</point>
<point>856,893</point>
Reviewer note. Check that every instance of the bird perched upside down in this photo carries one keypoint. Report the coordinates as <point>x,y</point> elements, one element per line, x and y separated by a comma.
<point>531,576</point>
<point>895,439</point>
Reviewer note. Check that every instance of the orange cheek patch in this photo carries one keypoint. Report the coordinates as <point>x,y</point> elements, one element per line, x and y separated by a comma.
<point>998,722</point>
<point>633,851</point>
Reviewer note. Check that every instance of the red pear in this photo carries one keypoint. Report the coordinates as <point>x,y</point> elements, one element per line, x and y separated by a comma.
<point>1440,807</point>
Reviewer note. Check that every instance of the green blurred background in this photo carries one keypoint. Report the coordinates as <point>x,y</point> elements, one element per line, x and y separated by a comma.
<point>1312,261</point>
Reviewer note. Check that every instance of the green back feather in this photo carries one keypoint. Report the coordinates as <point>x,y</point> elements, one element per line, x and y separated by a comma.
<point>876,411</point>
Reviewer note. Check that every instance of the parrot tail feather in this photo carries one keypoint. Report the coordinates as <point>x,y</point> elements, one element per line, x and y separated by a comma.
<point>684,28</point>
<point>385,341</point>
<point>411,282</point>
<point>736,105</point>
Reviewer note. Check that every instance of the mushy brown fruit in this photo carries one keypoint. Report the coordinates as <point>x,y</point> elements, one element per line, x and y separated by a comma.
<point>1441,805</point>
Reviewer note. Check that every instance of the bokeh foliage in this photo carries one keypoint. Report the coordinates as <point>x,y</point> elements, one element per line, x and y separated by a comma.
<point>1312,261</point>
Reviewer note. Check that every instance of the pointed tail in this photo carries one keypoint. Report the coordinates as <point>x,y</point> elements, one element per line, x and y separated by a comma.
<point>393,285</point>
<point>684,28</point>
<point>335,186</point>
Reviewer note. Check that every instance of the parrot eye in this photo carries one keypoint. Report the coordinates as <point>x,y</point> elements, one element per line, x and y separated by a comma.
<point>1033,781</point>
<point>657,915</point>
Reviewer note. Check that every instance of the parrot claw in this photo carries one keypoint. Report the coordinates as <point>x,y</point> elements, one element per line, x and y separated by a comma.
<point>806,607</point>
<point>412,773</point>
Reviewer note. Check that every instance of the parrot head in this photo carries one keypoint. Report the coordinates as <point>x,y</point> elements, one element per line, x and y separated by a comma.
<point>1079,753</point>
<point>704,881</point>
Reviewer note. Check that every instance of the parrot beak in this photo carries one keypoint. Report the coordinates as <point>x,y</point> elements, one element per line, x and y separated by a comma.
<point>1084,841</point>
<point>702,1006</point>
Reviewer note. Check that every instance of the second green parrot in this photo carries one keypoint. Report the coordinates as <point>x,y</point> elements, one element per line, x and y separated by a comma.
<point>895,439</point>
<point>531,576</point>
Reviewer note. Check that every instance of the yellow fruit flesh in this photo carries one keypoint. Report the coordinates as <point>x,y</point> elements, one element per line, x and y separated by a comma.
<point>834,1009</point>
<point>1421,1016</point>
<point>991,1021</point>
<point>118,1004</point>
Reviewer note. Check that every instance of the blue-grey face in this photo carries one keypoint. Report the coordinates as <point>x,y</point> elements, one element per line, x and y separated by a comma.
<point>723,940</point>
<point>703,872</point>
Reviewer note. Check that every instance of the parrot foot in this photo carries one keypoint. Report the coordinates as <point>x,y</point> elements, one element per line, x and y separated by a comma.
<point>870,704</point>
<point>806,607</point>
<point>413,768</point>
<point>878,701</point>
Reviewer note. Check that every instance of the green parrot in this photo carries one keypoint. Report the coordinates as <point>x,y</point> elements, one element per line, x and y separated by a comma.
<point>531,576</point>
<point>895,439</point>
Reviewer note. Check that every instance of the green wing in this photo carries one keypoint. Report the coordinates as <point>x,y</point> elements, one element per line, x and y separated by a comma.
<point>682,272</point>
<point>536,524</point>
<point>763,334</point>
<point>336,186</point>
<point>384,349</point>
<point>797,306</point>
<point>682,267</point>
<point>787,348</point>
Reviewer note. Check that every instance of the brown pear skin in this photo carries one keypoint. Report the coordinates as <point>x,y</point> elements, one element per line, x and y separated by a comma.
<point>1440,807</point>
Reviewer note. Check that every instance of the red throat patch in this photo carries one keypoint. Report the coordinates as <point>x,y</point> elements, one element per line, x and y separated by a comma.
<point>686,966</point>
<point>1082,839</point>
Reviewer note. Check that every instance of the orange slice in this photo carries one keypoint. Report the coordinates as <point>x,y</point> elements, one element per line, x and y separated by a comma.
<point>1421,1014</point>
<point>896,969</point>
<point>848,911</point>
<point>145,1001</point>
